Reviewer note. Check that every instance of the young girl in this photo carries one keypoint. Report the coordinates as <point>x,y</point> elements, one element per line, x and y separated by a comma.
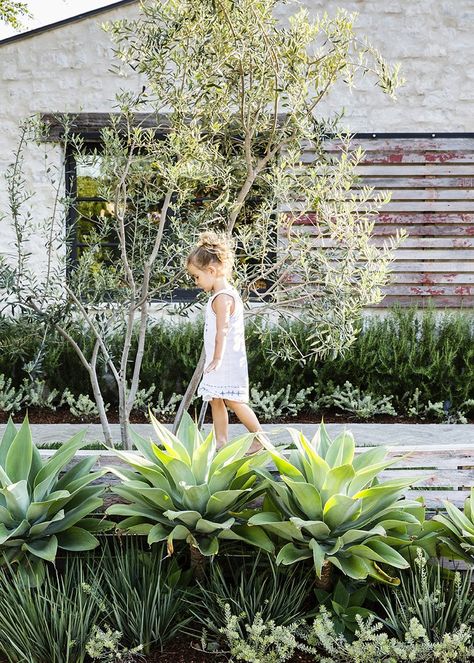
<point>225,380</point>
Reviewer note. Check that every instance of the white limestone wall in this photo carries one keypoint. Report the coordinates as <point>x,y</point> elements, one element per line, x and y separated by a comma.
<point>433,40</point>
<point>66,69</point>
<point>63,70</point>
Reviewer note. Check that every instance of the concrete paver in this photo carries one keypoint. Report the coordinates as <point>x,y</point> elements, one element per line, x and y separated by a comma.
<point>365,434</point>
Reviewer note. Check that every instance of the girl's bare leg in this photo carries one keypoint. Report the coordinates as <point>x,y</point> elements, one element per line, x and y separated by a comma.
<point>220,419</point>
<point>249,419</point>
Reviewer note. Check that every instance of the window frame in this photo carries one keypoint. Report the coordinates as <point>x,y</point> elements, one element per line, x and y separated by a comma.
<point>180,296</point>
<point>91,141</point>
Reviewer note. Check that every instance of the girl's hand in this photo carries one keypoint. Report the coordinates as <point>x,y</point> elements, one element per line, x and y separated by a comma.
<point>213,366</point>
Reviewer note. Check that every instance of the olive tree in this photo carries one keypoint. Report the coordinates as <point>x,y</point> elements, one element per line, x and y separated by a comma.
<point>11,12</point>
<point>218,139</point>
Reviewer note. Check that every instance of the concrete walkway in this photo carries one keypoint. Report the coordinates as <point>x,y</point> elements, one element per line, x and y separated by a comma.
<point>365,434</point>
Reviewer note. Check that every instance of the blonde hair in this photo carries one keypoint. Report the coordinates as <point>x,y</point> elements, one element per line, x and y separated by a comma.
<point>212,248</point>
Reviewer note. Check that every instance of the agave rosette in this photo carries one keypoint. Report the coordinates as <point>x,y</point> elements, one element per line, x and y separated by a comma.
<point>183,489</point>
<point>457,529</point>
<point>41,511</point>
<point>331,507</point>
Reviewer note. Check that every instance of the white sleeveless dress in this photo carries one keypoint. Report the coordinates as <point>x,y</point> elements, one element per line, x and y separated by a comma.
<point>231,379</point>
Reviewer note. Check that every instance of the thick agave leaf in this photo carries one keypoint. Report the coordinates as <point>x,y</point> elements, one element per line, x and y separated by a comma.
<point>341,451</point>
<point>378,551</point>
<point>319,555</point>
<point>40,529</point>
<point>146,496</point>
<point>204,526</point>
<point>77,539</point>
<point>7,439</point>
<point>49,473</point>
<point>337,481</point>
<point>20,455</point>
<point>188,433</point>
<point>39,510</point>
<point>74,516</point>
<point>19,530</point>
<point>469,506</point>
<point>222,501</point>
<point>369,458</point>
<point>222,478</point>
<point>307,497</point>
<point>79,469</point>
<point>310,463</point>
<point>43,548</point>
<point>202,458</point>
<point>196,497</point>
<point>365,476</point>
<point>172,444</point>
<point>158,532</point>
<point>284,529</point>
<point>321,441</point>
<point>457,517</point>
<point>336,512</point>
<point>341,509</point>
<point>207,546</point>
<point>6,517</point>
<point>314,528</point>
<point>290,554</point>
<point>231,452</point>
<point>255,536</point>
<point>188,518</point>
<point>142,445</point>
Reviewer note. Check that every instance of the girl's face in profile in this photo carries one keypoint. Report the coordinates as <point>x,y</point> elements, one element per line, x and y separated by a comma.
<point>203,278</point>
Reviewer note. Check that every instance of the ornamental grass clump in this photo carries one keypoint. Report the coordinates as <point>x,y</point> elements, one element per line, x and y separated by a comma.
<point>141,594</point>
<point>41,511</point>
<point>50,623</point>
<point>182,489</point>
<point>331,507</point>
<point>250,585</point>
<point>441,600</point>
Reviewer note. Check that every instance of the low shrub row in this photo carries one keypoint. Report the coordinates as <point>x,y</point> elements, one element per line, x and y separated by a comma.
<point>324,557</point>
<point>373,376</point>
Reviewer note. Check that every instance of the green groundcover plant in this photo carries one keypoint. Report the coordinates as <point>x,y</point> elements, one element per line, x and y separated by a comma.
<point>183,490</point>
<point>41,511</point>
<point>330,507</point>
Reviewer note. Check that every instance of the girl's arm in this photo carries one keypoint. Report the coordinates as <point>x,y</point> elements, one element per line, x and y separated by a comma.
<point>222,306</point>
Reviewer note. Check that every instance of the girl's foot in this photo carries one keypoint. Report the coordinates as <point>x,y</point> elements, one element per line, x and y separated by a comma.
<point>257,444</point>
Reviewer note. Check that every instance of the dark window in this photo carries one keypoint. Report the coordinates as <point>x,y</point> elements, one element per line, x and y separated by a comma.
<point>89,214</point>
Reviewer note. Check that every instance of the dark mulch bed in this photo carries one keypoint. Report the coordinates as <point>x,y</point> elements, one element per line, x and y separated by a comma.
<point>63,416</point>
<point>185,650</point>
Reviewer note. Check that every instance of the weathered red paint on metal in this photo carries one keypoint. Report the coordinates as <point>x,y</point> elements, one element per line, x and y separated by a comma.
<point>463,290</point>
<point>427,279</point>
<point>448,277</point>
<point>448,229</point>
<point>462,243</point>
<point>441,157</point>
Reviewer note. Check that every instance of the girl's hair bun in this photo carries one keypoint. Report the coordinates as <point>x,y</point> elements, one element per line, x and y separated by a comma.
<point>212,247</point>
<point>210,239</point>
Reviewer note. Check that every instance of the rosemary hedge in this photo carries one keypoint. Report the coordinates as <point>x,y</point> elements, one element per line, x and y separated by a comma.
<point>392,355</point>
